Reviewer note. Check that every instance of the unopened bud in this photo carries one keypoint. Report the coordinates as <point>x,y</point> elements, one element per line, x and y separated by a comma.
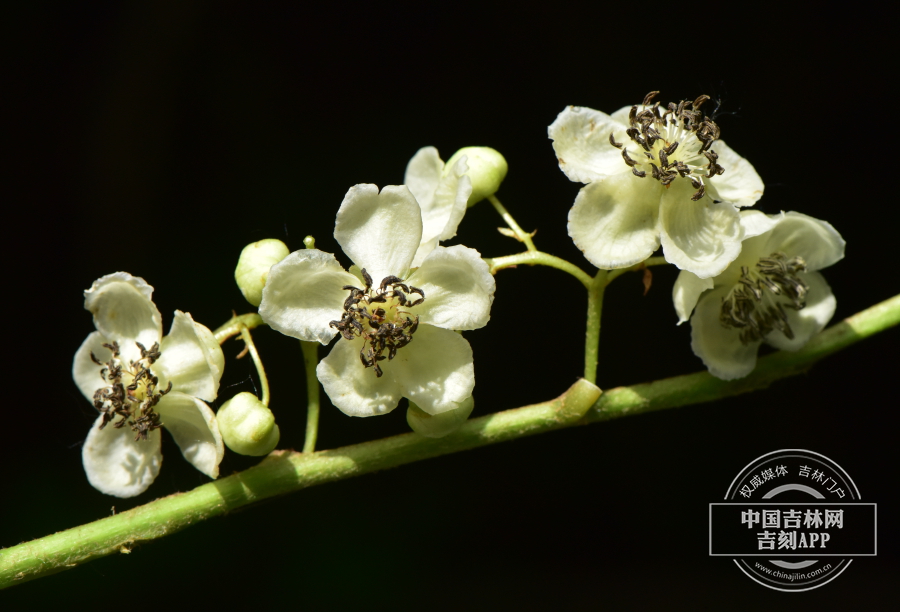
<point>487,169</point>
<point>253,267</point>
<point>248,426</point>
<point>439,425</point>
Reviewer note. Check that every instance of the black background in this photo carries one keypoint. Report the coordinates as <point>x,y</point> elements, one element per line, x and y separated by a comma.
<point>160,140</point>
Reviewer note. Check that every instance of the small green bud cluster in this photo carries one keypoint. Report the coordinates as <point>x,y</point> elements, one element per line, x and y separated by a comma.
<point>253,267</point>
<point>248,426</point>
<point>487,169</point>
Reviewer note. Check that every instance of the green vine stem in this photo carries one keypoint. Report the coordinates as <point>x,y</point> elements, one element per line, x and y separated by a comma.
<point>236,324</point>
<point>520,234</point>
<point>592,330</point>
<point>260,370</point>
<point>286,471</point>
<point>539,258</point>
<point>311,360</point>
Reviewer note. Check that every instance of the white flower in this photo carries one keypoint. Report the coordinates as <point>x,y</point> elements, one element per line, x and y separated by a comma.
<point>140,381</point>
<point>442,194</point>
<point>771,293</point>
<point>654,174</point>
<point>394,320</point>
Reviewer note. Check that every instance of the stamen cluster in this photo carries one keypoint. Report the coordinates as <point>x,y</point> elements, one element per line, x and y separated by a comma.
<point>662,132</point>
<point>753,305</point>
<point>134,402</point>
<point>376,316</point>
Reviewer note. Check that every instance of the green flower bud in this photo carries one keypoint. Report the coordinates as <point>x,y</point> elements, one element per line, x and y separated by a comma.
<point>253,267</point>
<point>248,426</point>
<point>487,169</point>
<point>438,425</point>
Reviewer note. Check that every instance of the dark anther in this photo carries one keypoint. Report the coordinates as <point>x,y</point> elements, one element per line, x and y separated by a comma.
<point>613,142</point>
<point>700,193</point>
<point>367,278</point>
<point>700,101</point>
<point>638,173</point>
<point>631,163</point>
<point>350,301</point>
<point>747,308</point>
<point>671,148</point>
<point>389,280</point>
<point>95,360</point>
<point>152,355</point>
<point>649,97</point>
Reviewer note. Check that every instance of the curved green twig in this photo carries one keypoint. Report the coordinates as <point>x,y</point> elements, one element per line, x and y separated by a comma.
<point>286,471</point>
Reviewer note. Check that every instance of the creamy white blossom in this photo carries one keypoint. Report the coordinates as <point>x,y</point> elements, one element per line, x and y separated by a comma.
<point>655,175</point>
<point>771,293</point>
<point>395,319</point>
<point>140,381</point>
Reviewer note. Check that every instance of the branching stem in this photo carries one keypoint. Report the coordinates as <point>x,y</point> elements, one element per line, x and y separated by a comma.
<point>311,360</point>
<point>539,258</point>
<point>592,331</point>
<point>286,471</point>
<point>234,326</point>
<point>521,235</point>
<point>260,370</point>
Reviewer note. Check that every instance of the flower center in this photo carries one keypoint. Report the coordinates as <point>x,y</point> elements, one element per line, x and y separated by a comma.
<point>380,318</point>
<point>756,304</point>
<point>132,392</point>
<point>671,143</point>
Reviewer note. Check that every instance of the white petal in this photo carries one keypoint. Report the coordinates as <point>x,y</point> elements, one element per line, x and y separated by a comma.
<point>455,189</point>
<point>817,242</point>
<point>614,221</point>
<point>354,388</point>
<point>686,292</point>
<point>448,206</point>
<point>85,372</point>
<point>701,237</point>
<point>423,173</point>
<point>379,231</point>
<point>805,323</point>
<point>193,425</point>
<point>123,312</point>
<point>740,185</point>
<point>756,223</point>
<point>303,295</point>
<point>117,465</point>
<point>458,286</point>
<point>435,370</point>
<point>718,346</point>
<point>621,115</point>
<point>190,358</point>
<point>581,140</point>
